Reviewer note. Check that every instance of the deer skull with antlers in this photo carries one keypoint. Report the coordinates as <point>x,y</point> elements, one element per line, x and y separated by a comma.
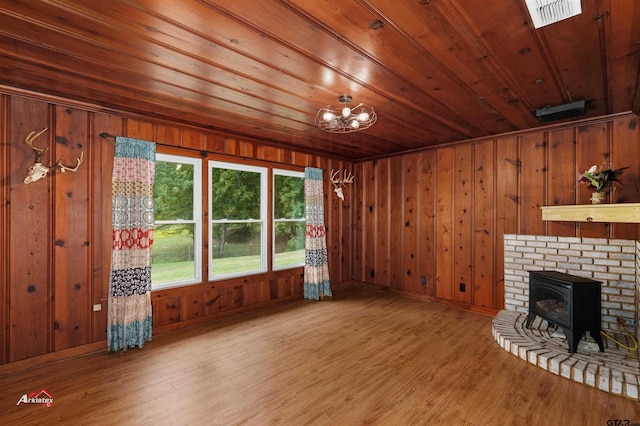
<point>339,183</point>
<point>39,170</point>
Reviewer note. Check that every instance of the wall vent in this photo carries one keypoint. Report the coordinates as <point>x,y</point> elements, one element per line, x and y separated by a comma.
<point>545,12</point>
<point>560,112</point>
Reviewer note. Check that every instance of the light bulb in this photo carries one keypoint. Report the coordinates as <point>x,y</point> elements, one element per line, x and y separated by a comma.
<point>346,111</point>
<point>355,124</point>
<point>328,116</point>
<point>363,116</point>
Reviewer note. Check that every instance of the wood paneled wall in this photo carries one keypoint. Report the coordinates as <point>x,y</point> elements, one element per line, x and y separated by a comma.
<point>437,213</point>
<point>441,213</point>
<point>55,234</point>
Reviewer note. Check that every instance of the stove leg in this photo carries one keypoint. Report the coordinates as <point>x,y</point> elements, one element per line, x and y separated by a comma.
<point>530,319</point>
<point>572,339</point>
<point>597,336</point>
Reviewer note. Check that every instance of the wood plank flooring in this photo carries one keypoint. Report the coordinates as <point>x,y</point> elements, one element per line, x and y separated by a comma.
<point>365,356</point>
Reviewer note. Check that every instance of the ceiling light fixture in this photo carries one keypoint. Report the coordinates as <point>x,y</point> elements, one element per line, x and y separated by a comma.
<point>343,119</point>
<point>545,12</point>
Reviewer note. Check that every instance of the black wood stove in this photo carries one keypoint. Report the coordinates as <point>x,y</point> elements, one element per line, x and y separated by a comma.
<point>568,301</point>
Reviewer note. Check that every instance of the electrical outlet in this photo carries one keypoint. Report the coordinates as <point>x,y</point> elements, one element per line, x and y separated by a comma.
<point>423,280</point>
<point>463,287</point>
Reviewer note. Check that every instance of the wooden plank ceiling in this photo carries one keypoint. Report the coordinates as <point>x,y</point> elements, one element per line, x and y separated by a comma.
<point>436,71</point>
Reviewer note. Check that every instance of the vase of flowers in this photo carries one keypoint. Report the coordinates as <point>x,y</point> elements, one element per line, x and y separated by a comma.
<point>599,181</point>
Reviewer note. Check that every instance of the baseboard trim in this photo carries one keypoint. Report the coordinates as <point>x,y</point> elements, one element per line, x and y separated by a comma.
<point>434,299</point>
<point>52,358</point>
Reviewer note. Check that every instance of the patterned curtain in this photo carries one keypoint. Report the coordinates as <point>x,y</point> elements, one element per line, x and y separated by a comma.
<point>129,317</point>
<point>316,265</point>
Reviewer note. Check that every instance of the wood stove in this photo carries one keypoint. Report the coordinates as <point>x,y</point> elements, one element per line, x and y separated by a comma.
<point>568,301</point>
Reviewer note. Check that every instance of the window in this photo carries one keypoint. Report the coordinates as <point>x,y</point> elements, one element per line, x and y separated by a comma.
<point>237,227</point>
<point>177,193</point>
<point>237,213</point>
<point>289,221</point>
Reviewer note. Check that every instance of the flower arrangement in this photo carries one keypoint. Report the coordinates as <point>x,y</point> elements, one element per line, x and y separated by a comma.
<point>599,180</point>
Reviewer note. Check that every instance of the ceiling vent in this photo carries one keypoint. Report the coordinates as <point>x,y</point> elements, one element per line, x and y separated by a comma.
<point>559,112</point>
<point>545,12</point>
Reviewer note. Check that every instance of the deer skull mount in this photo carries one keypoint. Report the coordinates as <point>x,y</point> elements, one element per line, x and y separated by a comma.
<point>39,170</point>
<point>340,182</point>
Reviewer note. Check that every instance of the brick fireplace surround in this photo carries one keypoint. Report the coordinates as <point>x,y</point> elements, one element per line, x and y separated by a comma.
<point>616,263</point>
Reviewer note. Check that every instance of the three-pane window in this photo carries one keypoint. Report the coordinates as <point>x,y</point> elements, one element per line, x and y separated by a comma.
<point>238,225</point>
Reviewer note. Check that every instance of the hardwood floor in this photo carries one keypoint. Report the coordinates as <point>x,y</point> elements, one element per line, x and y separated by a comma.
<point>365,356</point>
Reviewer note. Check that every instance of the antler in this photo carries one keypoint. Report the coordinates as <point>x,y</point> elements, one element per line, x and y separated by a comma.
<point>348,177</point>
<point>29,141</point>
<point>63,168</point>
<point>334,174</point>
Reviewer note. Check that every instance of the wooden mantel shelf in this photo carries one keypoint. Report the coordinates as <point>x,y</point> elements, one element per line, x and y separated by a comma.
<point>618,213</point>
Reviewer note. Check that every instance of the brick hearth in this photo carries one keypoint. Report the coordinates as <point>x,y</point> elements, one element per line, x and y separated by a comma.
<point>616,370</point>
<point>616,263</point>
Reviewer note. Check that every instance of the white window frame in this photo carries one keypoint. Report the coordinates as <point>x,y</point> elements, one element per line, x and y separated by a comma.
<point>263,171</point>
<point>196,221</point>
<point>282,172</point>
